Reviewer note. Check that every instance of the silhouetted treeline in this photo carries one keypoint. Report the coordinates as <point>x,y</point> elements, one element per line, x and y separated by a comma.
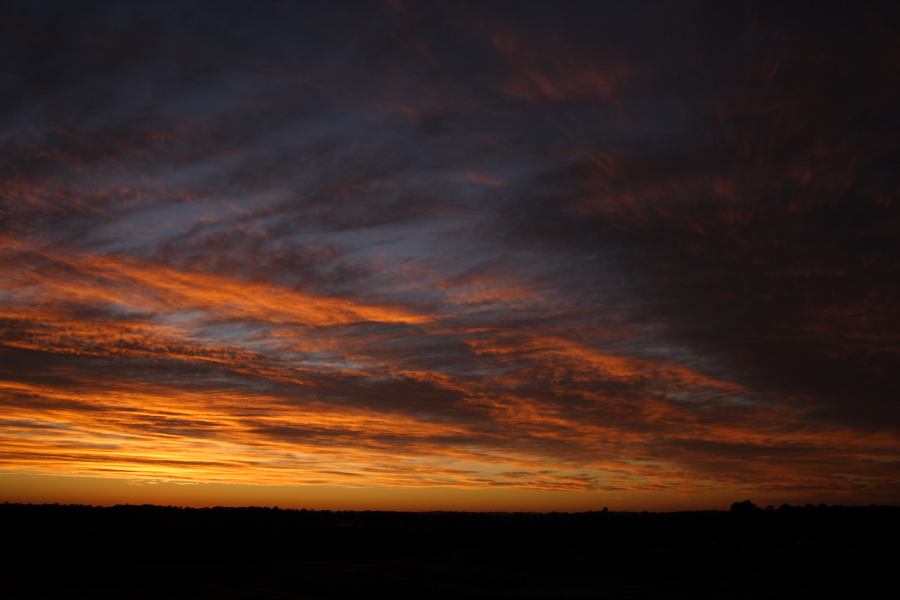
<point>154,551</point>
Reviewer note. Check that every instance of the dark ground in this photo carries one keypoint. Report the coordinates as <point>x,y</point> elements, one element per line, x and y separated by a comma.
<point>56,551</point>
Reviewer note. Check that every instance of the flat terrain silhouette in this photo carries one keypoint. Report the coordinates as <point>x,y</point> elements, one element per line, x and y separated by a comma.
<point>163,552</point>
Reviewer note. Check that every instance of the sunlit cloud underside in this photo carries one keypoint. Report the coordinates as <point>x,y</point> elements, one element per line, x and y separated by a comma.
<point>457,259</point>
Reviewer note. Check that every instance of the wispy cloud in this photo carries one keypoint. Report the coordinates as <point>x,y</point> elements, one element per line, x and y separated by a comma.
<point>637,251</point>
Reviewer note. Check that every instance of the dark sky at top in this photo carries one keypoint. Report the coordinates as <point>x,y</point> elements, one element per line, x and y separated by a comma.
<point>605,249</point>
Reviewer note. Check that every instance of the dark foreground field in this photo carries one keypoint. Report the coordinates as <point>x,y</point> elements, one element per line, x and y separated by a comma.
<point>52,551</point>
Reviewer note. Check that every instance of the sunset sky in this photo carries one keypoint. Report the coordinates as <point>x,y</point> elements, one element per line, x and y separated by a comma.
<point>450,255</point>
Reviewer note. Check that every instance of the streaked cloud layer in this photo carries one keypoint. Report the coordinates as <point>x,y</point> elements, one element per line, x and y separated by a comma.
<point>602,253</point>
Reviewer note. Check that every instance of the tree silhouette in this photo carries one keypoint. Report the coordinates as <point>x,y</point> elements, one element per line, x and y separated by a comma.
<point>744,507</point>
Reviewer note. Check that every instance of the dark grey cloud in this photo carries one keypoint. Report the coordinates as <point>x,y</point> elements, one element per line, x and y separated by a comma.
<point>599,235</point>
